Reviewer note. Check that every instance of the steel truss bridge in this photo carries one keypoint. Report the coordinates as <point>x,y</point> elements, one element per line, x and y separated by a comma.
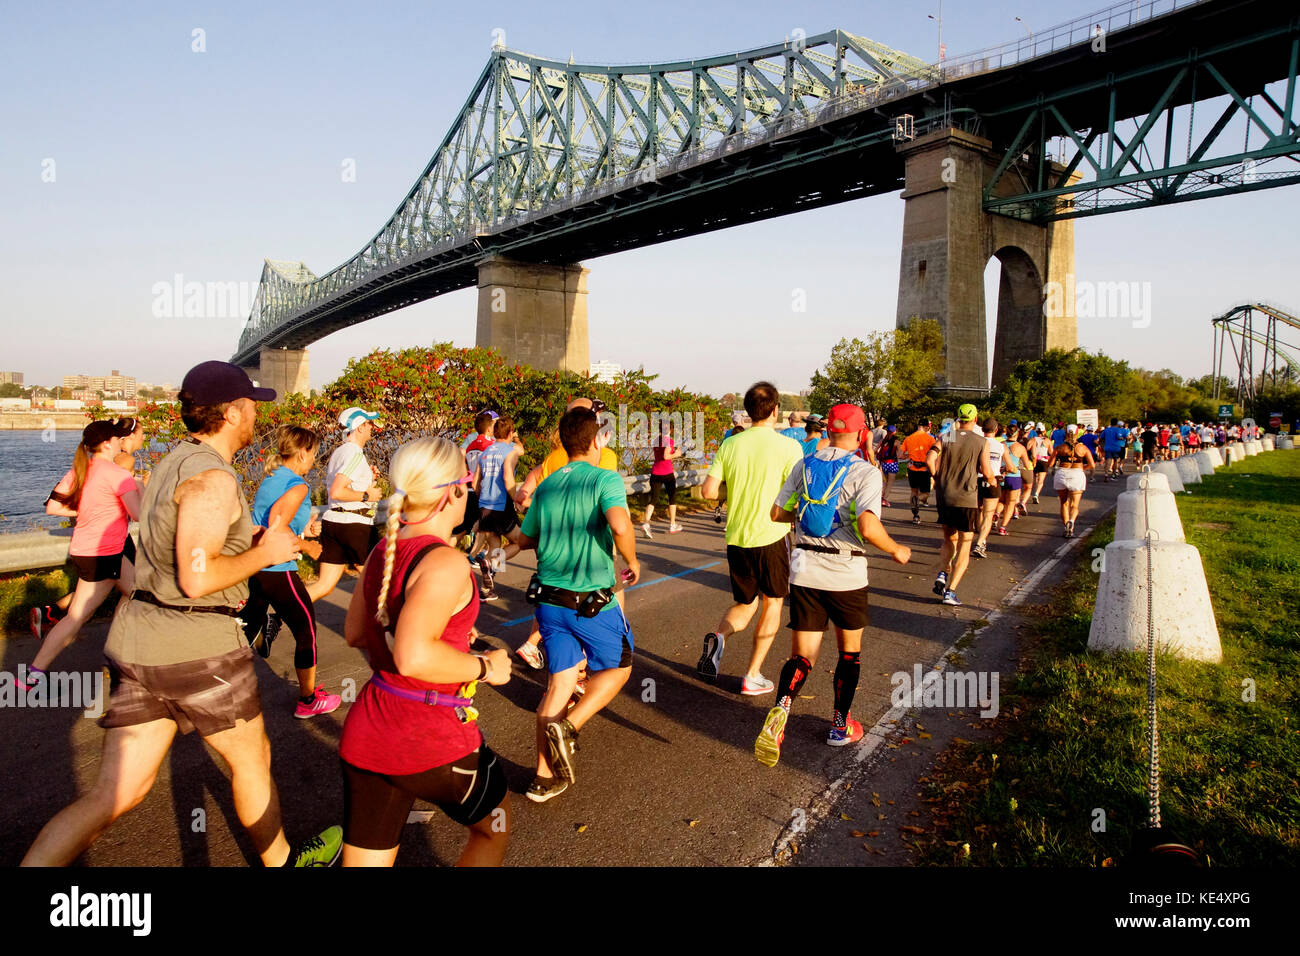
<point>1244,329</point>
<point>556,162</point>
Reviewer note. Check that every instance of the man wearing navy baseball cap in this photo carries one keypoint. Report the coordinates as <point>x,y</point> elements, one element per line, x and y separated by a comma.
<point>176,653</point>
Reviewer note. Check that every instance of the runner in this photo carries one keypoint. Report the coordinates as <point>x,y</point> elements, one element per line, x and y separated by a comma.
<point>1040,452</point>
<point>177,656</point>
<point>1070,460</point>
<point>661,476</point>
<point>1089,439</point>
<point>754,466</point>
<point>132,432</point>
<point>916,448</point>
<point>813,437</point>
<point>1162,436</point>
<point>531,650</point>
<point>494,482</point>
<point>956,466</point>
<point>1150,442</point>
<point>579,515</point>
<point>412,732</point>
<point>1175,442</point>
<point>888,454</point>
<point>1014,459</point>
<point>988,494</point>
<point>283,499</point>
<point>795,426</point>
<point>474,446</point>
<point>347,527</point>
<point>103,498</point>
<point>833,499</point>
<point>1113,440</point>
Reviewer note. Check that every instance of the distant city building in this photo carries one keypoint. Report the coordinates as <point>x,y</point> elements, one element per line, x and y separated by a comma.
<point>88,395</point>
<point>606,371</point>
<point>11,378</point>
<point>113,384</point>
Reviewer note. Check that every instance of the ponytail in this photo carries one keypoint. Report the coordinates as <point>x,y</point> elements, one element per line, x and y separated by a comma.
<point>396,502</point>
<point>80,468</point>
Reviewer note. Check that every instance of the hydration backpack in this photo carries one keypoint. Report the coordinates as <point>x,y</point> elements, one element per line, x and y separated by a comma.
<point>818,501</point>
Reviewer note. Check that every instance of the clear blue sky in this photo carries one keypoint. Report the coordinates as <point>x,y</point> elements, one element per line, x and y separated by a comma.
<point>168,161</point>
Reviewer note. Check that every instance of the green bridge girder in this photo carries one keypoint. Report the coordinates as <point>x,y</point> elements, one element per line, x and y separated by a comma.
<point>536,132</point>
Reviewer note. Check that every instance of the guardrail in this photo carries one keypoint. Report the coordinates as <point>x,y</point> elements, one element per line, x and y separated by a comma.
<point>40,550</point>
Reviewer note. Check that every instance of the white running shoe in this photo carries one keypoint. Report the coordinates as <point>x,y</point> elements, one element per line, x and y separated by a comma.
<point>645,526</point>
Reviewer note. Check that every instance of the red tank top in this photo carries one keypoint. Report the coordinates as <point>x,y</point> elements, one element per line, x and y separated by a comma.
<point>389,734</point>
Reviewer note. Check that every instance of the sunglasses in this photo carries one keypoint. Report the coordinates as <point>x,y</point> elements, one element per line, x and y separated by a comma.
<point>458,484</point>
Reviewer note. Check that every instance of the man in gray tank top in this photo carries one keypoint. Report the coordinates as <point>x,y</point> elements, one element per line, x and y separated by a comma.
<point>176,653</point>
<point>957,466</point>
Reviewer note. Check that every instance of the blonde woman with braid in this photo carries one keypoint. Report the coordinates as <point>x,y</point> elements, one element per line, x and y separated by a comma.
<point>413,732</point>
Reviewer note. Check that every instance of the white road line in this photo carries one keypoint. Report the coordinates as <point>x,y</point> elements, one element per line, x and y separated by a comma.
<point>823,803</point>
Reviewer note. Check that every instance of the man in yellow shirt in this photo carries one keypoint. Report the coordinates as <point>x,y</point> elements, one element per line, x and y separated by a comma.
<point>754,464</point>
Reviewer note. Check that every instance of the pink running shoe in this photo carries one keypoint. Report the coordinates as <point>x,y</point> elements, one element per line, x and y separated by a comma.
<point>321,703</point>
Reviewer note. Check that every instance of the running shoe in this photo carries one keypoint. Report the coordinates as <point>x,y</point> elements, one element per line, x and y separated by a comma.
<point>486,591</point>
<point>270,630</point>
<point>562,745</point>
<point>950,597</point>
<point>711,659</point>
<point>34,676</point>
<point>674,528</point>
<point>940,583</point>
<point>885,504</point>
<point>717,515</point>
<point>321,703</point>
<point>580,688</point>
<point>1035,499</point>
<point>533,655</point>
<point>916,518</point>
<point>1069,529</point>
<point>850,733</point>
<point>767,748</point>
<point>543,788</point>
<point>322,850</point>
<point>756,686</point>
<point>1003,531</point>
<point>645,526</point>
<point>980,551</point>
<point>43,619</point>
<point>35,619</point>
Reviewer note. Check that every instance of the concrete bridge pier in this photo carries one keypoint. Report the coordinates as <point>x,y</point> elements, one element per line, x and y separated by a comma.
<point>534,313</point>
<point>948,240</point>
<point>285,370</point>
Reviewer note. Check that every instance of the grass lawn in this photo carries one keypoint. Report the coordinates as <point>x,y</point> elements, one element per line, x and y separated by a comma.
<point>1071,737</point>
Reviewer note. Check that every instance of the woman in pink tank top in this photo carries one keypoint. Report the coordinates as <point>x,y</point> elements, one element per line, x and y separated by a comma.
<point>103,498</point>
<point>413,731</point>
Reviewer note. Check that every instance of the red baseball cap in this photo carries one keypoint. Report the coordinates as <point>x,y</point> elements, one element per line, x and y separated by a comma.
<point>846,418</point>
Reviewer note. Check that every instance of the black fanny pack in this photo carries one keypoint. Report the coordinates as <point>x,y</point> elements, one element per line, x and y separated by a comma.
<point>586,603</point>
<point>148,598</point>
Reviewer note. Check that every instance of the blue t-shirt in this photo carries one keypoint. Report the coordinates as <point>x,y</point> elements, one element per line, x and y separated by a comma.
<point>1058,437</point>
<point>492,488</point>
<point>1113,438</point>
<point>1090,442</point>
<point>1185,430</point>
<point>271,490</point>
<point>809,446</point>
<point>798,434</point>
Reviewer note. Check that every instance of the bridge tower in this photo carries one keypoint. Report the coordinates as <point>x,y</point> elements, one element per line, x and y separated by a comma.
<point>948,239</point>
<point>534,313</point>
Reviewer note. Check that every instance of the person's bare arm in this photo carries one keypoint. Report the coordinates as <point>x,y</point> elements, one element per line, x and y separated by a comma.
<point>874,533</point>
<point>986,466</point>
<point>207,505</point>
<point>285,508</point>
<point>436,588</point>
<point>131,502</point>
<point>780,514</point>
<point>354,625</point>
<point>711,488</point>
<point>341,490</point>
<point>525,491</point>
<point>508,471</point>
<point>620,523</point>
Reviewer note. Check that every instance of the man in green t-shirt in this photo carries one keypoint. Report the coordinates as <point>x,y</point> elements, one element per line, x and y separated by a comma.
<point>754,464</point>
<point>578,516</point>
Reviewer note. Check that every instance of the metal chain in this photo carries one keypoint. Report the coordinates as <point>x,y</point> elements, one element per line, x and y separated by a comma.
<point>1153,733</point>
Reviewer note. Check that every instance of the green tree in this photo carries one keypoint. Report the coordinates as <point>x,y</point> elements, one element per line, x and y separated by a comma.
<point>885,374</point>
<point>11,390</point>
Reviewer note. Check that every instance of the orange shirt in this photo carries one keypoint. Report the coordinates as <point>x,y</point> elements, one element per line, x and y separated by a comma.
<point>916,446</point>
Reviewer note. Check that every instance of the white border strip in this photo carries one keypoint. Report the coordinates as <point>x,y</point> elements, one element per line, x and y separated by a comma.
<point>824,802</point>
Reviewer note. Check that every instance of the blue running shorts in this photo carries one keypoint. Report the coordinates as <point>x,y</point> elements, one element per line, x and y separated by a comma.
<point>605,639</point>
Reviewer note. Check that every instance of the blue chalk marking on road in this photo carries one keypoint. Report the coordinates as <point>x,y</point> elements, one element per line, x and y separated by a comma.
<point>643,584</point>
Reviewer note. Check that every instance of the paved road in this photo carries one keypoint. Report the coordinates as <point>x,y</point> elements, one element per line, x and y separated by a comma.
<point>666,774</point>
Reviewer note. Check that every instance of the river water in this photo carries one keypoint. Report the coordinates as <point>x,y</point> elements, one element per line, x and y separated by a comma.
<point>31,464</point>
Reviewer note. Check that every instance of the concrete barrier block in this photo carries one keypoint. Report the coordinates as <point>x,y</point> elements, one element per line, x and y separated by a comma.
<point>1204,462</point>
<point>1188,470</point>
<point>1146,478</point>
<point>1251,448</point>
<point>1183,615</point>
<point>1267,443</point>
<point>1216,457</point>
<point>1170,471</point>
<point>1135,511</point>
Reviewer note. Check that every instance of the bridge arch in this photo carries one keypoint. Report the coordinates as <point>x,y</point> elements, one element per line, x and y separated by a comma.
<point>1019,330</point>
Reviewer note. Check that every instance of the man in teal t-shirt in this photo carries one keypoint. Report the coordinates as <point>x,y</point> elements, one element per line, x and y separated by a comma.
<point>754,465</point>
<point>578,515</point>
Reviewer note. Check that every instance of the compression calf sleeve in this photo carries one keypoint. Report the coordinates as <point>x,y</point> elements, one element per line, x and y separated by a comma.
<point>793,674</point>
<point>846,685</point>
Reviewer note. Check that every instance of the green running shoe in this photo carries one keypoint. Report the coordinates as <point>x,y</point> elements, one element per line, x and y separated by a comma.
<point>322,850</point>
<point>767,748</point>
